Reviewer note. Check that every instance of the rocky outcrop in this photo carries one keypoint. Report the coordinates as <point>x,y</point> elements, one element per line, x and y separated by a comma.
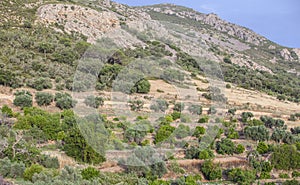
<point>212,20</point>
<point>297,51</point>
<point>74,18</point>
<point>285,54</point>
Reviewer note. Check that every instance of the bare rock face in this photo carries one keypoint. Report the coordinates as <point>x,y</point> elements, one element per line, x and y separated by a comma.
<point>73,18</point>
<point>297,51</point>
<point>285,54</point>
<point>212,20</point>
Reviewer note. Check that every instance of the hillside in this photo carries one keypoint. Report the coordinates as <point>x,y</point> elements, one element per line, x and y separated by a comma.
<point>96,92</point>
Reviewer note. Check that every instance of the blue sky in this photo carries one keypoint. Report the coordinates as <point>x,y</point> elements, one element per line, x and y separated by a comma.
<point>278,20</point>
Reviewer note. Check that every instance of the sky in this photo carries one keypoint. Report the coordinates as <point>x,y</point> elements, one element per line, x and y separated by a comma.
<point>277,20</point>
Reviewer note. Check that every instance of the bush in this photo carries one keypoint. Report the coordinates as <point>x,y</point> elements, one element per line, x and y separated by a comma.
<point>240,176</point>
<point>291,182</point>
<point>64,101</point>
<point>7,111</point>
<point>265,175</point>
<point>41,83</point>
<point>203,119</point>
<point>176,115</point>
<point>142,86</point>
<point>225,146</point>
<point>232,111</point>
<point>295,174</point>
<point>286,157</point>
<point>211,171</point>
<point>30,171</point>
<point>227,60</point>
<point>23,99</point>
<point>136,105</point>
<point>172,75</point>
<point>90,173</point>
<point>266,166</point>
<point>181,131</point>
<point>246,116</point>
<point>239,149</point>
<point>284,176</point>
<point>43,99</point>
<point>228,86</point>
<point>262,148</point>
<point>199,131</point>
<point>49,162</point>
<point>163,133</point>
<point>11,169</point>
<point>76,146</point>
<point>195,109</point>
<point>185,118</point>
<point>93,101</point>
<point>206,154</point>
<point>257,133</point>
<point>178,107</point>
<point>159,105</point>
<point>212,110</point>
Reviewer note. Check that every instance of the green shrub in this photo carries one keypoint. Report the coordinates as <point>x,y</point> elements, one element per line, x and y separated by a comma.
<point>203,119</point>
<point>240,176</point>
<point>41,83</point>
<point>246,116</point>
<point>265,175</point>
<point>232,111</point>
<point>142,86</point>
<point>295,174</point>
<point>199,131</point>
<point>239,149</point>
<point>23,99</point>
<point>262,148</point>
<point>184,118</point>
<point>195,109</point>
<point>136,105</point>
<point>11,169</point>
<point>225,146</point>
<point>178,107</point>
<point>257,133</point>
<point>176,115</point>
<point>43,98</point>
<point>159,105</point>
<point>90,173</point>
<point>93,101</point>
<point>291,182</point>
<point>7,111</point>
<point>212,110</point>
<point>49,162</point>
<point>228,86</point>
<point>174,167</point>
<point>286,157</point>
<point>163,133</point>
<point>284,176</point>
<point>64,101</point>
<point>263,166</point>
<point>227,60</point>
<point>30,171</point>
<point>181,131</point>
<point>211,171</point>
<point>172,75</point>
<point>206,154</point>
<point>192,152</point>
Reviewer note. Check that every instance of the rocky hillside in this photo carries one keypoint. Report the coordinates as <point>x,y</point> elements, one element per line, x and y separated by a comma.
<point>205,37</point>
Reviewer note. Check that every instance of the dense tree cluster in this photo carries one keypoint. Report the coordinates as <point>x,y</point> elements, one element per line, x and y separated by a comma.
<point>257,133</point>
